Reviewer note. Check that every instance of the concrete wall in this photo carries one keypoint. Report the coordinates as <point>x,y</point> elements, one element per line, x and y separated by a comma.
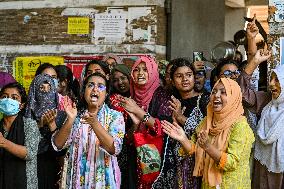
<point>196,26</point>
<point>234,21</point>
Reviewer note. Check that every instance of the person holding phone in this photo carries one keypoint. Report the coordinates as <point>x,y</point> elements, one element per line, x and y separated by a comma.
<point>202,84</point>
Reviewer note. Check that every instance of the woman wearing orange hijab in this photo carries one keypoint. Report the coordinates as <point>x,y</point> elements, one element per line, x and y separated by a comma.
<point>222,142</point>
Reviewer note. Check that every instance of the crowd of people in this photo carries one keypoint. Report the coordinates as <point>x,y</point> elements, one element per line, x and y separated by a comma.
<point>122,127</point>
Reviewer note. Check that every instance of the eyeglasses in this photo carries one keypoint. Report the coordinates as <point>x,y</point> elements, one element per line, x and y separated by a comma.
<point>101,87</point>
<point>229,73</point>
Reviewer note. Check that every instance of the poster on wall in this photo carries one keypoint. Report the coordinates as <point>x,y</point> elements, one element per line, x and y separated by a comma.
<point>121,25</point>
<point>109,28</point>
<point>76,63</point>
<point>78,25</point>
<point>110,25</point>
<point>136,15</point>
<point>24,68</point>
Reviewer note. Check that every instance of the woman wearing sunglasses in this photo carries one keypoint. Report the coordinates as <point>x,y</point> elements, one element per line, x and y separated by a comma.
<point>228,69</point>
<point>94,137</point>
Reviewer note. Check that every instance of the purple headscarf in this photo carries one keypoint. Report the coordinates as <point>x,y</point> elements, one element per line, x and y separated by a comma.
<point>6,78</point>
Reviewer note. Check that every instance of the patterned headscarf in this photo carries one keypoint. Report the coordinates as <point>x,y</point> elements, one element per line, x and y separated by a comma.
<point>40,101</point>
<point>143,94</point>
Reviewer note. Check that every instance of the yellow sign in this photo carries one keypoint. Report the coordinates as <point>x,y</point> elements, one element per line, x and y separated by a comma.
<point>78,25</point>
<point>24,68</point>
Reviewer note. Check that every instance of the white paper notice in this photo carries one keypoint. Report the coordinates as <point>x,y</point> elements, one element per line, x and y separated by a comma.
<point>140,34</point>
<point>137,12</point>
<point>110,25</point>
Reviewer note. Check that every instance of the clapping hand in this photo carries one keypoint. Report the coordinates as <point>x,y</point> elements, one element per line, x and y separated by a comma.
<point>175,106</point>
<point>131,108</point>
<point>129,104</point>
<point>203,139</point>
<point>70,108</point>
<point>89,118</point>
<point>173,130</point>
<point>48,118</point>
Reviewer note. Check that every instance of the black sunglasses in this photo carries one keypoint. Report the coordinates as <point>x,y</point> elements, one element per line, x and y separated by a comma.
<point>229,73</point>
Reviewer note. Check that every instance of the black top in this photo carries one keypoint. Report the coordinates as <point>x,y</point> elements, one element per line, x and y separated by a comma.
<point>12,168</point>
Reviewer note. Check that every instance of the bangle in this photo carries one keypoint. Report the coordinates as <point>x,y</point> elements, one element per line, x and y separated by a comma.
<point>146,117</point>
<point>222,161</point>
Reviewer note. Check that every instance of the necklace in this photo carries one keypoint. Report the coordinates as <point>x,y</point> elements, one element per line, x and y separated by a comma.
<point>5,133</point>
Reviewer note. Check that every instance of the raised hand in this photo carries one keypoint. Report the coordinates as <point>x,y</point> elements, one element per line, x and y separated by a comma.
<point>252,29</point>
<point>173,130</point>
<point>175,106</point>
<point>129,105</point>
<point>70,108</point>
<point>203,139</point>
<point>261,55</point>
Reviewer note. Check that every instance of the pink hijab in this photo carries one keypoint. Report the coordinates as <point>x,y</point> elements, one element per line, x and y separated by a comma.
<point>143,94</point>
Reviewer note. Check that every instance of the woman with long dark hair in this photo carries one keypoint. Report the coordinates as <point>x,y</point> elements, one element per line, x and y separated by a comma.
<point>19,139</point>
<point>93,137</point>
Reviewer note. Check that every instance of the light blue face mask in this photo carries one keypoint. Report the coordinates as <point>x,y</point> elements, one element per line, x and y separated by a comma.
<point>56,83</point>
<point>9,106</point>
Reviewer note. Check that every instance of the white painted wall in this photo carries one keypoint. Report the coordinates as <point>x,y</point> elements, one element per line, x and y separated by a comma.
<point>81,49</point>
<point>75,3</point>
<point>234,21</point>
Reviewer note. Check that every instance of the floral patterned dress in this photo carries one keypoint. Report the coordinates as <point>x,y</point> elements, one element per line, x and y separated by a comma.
<point>89,166</point>
<point>195,111</point>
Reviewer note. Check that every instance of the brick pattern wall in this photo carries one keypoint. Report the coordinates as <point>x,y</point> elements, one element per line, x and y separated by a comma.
<point>47,26</point>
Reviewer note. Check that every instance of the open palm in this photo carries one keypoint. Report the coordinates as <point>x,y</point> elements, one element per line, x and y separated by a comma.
<point>262,55</point>
<point>174,130</point>
<point>69,108</point>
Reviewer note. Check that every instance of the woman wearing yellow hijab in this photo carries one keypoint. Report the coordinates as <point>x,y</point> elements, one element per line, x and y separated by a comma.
<point>222,142</point>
